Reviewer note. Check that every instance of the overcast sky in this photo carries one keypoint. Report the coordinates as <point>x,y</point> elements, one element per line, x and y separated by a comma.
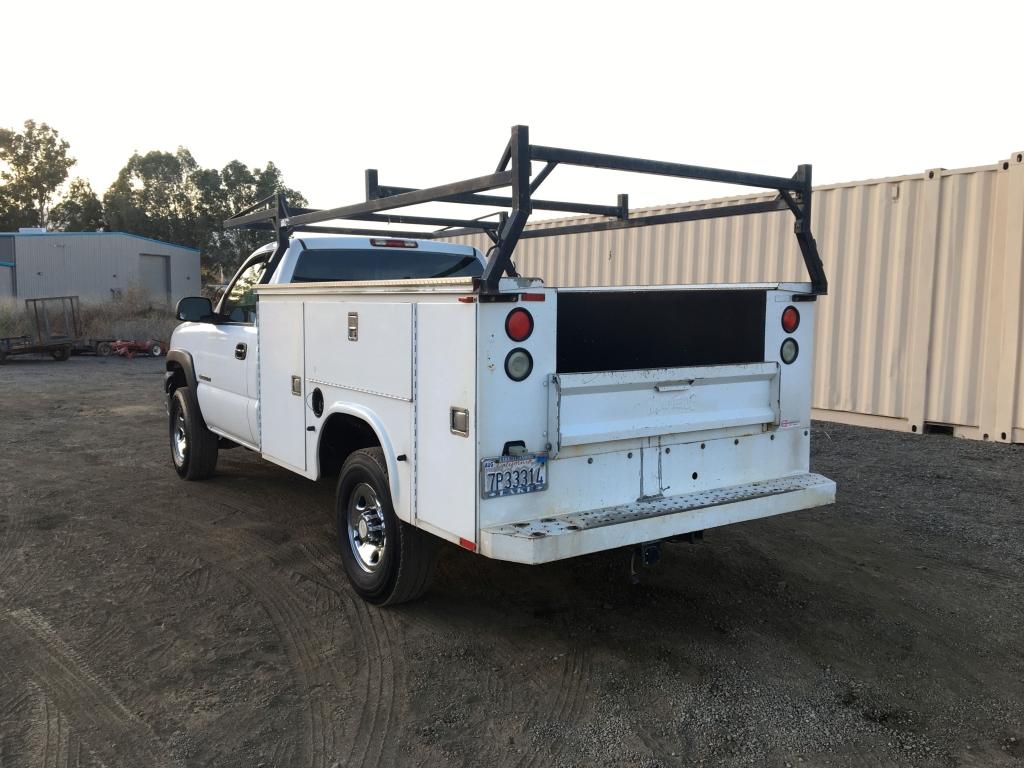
<point>426,91</point>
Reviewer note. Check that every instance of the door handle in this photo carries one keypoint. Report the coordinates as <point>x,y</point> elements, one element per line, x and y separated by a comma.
<point>240,350</point>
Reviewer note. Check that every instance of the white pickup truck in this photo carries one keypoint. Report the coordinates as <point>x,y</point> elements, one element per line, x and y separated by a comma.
<point>455,400</point>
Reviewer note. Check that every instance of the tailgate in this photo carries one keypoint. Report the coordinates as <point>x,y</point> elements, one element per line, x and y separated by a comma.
<point>588,408</point>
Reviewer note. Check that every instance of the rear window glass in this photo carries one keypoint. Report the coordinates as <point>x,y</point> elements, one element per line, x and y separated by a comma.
<point>324,265</point>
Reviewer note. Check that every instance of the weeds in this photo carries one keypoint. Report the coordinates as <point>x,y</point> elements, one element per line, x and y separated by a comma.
<point>132,314</point>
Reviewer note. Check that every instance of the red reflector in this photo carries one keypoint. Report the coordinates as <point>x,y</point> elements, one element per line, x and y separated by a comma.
<point>467,299</point>
<point>790,319</point>
<point>519,324</point>
<point>393,243</point>
<point>467,544</point>
<point>532,296</point>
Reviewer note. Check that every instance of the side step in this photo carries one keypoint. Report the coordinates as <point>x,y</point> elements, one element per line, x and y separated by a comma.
<point>578,533</point>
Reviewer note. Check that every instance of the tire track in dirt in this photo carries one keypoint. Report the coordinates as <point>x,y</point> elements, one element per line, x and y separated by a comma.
<point>45,739</point>
<point>564,694</point>
<point>316,675</point>
<point>62,747</point>
<point>320,674</point>
<point>379,666</point>
<point>114,733</point>
<point>567,706</point>
<point>280,599</point>
<point>661,749</point>
<point>14,523</point>
<point>371,735</point>
<point>313,672</point>
<point>16,704</point>
<point>12,534</point>
<point>22,535</point>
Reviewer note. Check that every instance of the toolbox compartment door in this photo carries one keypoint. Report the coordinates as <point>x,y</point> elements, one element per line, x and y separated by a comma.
<point>282,384</point>
<point>589,408</point>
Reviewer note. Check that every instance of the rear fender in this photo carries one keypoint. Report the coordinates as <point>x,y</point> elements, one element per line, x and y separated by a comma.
<point>377,425</point>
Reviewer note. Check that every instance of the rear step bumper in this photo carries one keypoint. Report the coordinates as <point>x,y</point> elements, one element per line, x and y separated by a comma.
<point>579,533</point>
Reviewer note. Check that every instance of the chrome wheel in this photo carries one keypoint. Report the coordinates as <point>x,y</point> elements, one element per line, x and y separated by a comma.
<point>179,439</point>
<point>366,532</point>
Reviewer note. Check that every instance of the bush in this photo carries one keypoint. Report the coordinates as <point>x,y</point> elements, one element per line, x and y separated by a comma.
<point>131,315</point>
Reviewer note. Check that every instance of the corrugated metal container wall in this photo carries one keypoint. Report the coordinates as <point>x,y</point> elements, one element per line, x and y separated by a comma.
<point>923,322</point>
<point>94,266</point>
<point>6,268</point>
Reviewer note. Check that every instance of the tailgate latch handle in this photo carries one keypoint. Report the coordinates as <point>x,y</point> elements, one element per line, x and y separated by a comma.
<point>675,386</point>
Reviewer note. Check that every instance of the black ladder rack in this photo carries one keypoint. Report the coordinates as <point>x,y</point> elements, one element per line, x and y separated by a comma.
<point>514,171</point>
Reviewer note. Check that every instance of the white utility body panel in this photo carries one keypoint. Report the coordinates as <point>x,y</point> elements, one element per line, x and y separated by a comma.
<point>587,408</point>
<point>598,428</point>
<point>616,456</point>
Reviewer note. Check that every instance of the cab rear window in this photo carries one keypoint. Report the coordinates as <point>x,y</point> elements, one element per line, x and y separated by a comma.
<point>326,265</point>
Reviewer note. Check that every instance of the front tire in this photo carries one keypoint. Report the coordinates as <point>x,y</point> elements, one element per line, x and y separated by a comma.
<point>193,446</point>
<point>386,560</point>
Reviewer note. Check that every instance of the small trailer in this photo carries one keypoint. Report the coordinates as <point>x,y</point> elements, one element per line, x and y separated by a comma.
<point>57,324</point>
<point>455,399</point>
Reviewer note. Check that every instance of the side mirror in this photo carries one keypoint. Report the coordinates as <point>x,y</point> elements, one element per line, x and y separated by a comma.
<point>194,309</point>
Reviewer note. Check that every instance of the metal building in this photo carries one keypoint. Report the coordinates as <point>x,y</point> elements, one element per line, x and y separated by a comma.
<point>923,327</point>
<point>94,266</point>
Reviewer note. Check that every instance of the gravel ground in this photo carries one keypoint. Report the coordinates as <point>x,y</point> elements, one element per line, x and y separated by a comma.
<point>147,621</point>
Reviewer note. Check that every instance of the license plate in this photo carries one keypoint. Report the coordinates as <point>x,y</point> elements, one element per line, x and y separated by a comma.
<point>512,475</point>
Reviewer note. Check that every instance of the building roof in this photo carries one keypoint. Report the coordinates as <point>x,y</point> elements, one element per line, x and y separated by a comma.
<point>95,234</point>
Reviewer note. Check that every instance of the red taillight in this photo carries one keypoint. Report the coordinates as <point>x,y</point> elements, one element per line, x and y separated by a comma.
<point>519,324</point>
<point>790,319</point>
<point>393,243</point>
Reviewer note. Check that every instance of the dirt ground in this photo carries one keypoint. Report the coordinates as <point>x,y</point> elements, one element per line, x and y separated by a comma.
<point>145,621</point>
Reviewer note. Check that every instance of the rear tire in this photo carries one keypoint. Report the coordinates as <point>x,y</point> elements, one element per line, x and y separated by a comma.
<point>61,354</point>
<point>156,350</point>
<point>386,560</point>
<point>193,446</point>
<point>104,349</point>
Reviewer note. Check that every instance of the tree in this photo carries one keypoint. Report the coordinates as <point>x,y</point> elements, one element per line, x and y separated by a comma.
<point>33,166</point>
<point>154,195</point>
<point>79,209</point>
<point>170,197</point>
<point>240,187</point>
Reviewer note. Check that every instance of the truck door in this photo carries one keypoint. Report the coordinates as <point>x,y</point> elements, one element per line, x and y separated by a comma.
<point>226,360</point>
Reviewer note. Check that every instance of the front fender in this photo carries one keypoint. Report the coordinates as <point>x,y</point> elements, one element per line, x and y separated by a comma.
<point>377,425</point>
<point>184,359</point>
<point>177,358</point>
